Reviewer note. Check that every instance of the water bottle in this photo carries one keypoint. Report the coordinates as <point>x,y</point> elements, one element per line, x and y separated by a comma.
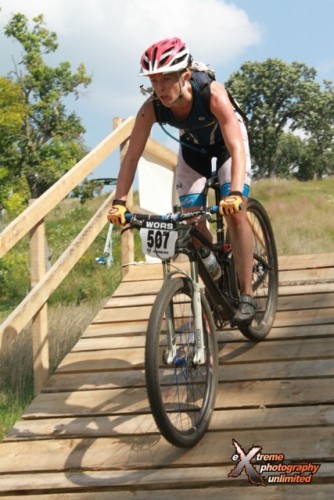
<point>210,263</point>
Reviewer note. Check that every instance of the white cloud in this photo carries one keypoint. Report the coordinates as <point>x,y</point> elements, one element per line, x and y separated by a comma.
<point>212,28</point>
<point>109,36</point>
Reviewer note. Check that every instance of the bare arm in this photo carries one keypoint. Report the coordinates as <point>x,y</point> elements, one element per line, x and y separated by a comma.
<point>222,108</point>
<point>140,133</point>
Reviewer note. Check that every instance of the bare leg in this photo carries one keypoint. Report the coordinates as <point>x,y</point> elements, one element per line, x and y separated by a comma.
<point>202,226</point>
<point>242,248</point>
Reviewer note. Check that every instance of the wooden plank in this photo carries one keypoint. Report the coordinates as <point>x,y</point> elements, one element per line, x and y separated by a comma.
<point>120,330</point>
<point>291,289</point>
<point>291,262</point>
<point>114,328</point>
<point>127,288</point>
<point>305,261</point>
<point>240,352</point>
<point>128,314</point>
<point>317,298</point>
<point>107,453</point>
<point>142,313</point>
<point>289,369</point>
<point>285,302</point>
<point>83,381</point>
<point>143,272</point>
<point>286,278</point>
<point>307,276</point>
<point>250,394</point>
<point>306,317</point>
<point>301,302</point>
<point>102,360</point>
<point>116,340</point>
<point>210,483</point>
<point>135,300</point>
<point>109,342</point>
<point>249,352</point>
<point>125,425</point>
<point>300,331</point>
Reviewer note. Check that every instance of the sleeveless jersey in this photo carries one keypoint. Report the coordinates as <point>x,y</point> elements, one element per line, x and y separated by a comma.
<point>200,127</point>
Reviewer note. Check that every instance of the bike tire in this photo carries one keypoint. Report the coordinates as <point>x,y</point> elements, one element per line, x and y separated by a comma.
<point>181,395</point>
<point>265,272</point>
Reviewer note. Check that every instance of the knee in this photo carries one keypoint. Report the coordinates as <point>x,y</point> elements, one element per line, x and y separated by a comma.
<point>236,221</point>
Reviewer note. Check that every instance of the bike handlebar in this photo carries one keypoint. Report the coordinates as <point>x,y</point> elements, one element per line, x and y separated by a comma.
<point>132,218</point>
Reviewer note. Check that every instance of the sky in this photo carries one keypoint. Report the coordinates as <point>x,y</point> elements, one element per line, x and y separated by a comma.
<point>109,36</point>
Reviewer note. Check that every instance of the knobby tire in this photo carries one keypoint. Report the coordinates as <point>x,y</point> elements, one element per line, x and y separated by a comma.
<point>181,395</point>
<point>265,272</point>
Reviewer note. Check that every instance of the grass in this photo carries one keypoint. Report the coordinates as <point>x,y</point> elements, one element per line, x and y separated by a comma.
<point>301,214</point>
<point>66,325</point>
<point>303,222</point>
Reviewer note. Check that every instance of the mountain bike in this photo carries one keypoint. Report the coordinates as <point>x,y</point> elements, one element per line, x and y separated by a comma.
<point>181,360</point>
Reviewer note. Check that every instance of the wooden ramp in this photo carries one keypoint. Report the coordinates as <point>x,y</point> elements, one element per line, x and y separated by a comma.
<point>90,433</point>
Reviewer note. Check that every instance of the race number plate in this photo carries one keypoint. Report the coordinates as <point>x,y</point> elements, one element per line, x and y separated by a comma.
<point>159,239</point>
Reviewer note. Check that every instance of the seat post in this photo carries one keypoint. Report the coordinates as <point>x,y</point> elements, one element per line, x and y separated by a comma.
<point>213,183</point>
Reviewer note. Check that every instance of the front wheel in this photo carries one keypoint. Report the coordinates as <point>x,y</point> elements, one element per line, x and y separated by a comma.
<point>265,272</point>
<point>181,392</point>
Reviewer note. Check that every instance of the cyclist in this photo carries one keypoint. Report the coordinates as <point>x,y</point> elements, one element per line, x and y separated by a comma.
<point>204,134</point>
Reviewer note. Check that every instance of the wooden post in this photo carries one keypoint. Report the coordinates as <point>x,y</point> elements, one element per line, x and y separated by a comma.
<point>127,238</point>
<point>40,339</point>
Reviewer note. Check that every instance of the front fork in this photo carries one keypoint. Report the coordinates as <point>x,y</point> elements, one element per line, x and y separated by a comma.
<point>171,355</point>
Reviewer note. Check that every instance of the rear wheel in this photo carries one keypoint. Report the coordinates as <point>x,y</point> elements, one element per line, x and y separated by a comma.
<point>265,272</point>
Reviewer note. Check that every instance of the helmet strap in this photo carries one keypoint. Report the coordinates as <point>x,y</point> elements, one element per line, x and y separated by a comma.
<point>182,86</point>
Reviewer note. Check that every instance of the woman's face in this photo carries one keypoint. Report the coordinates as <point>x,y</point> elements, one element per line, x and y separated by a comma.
<point>167,87</point>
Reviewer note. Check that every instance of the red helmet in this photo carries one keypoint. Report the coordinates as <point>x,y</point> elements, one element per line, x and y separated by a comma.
<point>167,56</point>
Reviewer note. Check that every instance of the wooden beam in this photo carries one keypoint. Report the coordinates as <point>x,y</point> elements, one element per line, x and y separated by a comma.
<point>158,151</point>
<point>37,297</point>
<point>40,339</point>
<point>48,200</point>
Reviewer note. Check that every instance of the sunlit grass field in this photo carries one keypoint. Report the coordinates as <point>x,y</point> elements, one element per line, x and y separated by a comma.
<point>301,213</point>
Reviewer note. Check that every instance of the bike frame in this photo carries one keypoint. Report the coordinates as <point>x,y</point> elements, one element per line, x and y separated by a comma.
<point>197,269</point>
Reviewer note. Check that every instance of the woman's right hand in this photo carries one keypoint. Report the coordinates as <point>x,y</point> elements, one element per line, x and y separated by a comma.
<point>116,213</point>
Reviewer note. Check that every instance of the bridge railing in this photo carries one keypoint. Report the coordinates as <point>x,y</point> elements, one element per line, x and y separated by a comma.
<point>44,282</point>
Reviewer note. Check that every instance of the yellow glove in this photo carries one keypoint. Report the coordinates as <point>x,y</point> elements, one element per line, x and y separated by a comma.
<point>116,213</point>
<point>231,204</point>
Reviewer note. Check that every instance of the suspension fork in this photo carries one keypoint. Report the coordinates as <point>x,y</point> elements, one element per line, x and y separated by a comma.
<point>199,348</point>
<point>199,356</point>
<point>170,353</point>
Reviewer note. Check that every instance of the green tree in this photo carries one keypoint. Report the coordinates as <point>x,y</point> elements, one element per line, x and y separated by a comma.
<point>50,140</point>
<point>12,113</point>
<point>279,97</point>
<point>290,155</point>
<point>318,122</point>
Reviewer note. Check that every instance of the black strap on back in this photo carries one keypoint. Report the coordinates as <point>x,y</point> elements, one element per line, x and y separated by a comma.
<point>237,107</point>
<point>204,79</point>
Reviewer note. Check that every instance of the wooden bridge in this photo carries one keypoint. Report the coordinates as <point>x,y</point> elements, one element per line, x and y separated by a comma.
<point>89,433</point>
